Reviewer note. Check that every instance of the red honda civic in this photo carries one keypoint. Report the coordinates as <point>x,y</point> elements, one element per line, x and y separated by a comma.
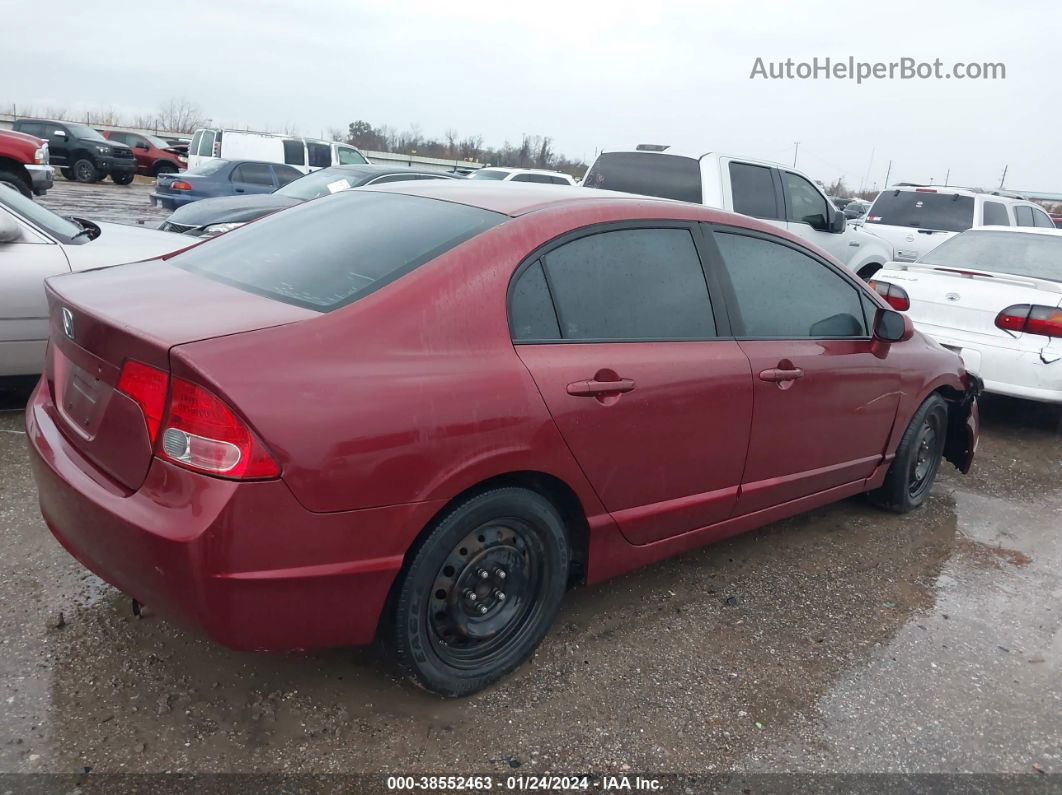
<point>425,409</point>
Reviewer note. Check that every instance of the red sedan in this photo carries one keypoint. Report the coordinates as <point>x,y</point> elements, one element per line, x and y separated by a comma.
<point>425,409</point>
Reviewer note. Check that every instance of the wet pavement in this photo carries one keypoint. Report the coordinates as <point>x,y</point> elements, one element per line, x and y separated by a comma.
<point>105,201</point>
<point>843,640</point>
<point>854,641</point>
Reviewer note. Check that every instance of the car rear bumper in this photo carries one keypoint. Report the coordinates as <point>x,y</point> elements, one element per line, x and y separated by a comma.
<point>1032,373</point>
<point>244,563</point>
<point>42,178</point>
<point>169,201</point>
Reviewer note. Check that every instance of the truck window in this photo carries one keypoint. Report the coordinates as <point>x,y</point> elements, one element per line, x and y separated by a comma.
<point>996,214</point>
<point>649,174</point>
<point>753,191</point>
<point>923,209</point>
<point>320,155</point>
<point>294,152</point>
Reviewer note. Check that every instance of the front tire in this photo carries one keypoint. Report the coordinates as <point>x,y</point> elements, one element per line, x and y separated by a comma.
<point>122,178</point>
<point>480,592</point>
<point>918,456</point>
<point>16,182</point>
<point>84,170</point>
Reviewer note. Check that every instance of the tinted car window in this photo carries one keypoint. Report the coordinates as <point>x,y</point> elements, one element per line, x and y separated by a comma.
<point>649,174</point>
<point>294,153</point>
<point>327,253</point>
<point>996,214</point>
<point>948,212</point>
<point>489,173</point>
<point>753,191</point>
<point>781,293</point>
<point>630,284</point>
<point>320,155</point>
<point>1017,253</point>
<point>1023,215</point>
<point>805,204</point>
<point>531,313</point>
<point>286,174</point>
<point>253,174</point>
<point>1042,219</point>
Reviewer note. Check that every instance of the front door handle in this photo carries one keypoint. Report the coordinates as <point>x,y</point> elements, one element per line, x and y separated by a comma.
<point>594,388</point>
<point>777,375</point>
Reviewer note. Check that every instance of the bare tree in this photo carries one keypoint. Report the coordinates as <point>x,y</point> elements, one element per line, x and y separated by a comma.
<point>181,115</point>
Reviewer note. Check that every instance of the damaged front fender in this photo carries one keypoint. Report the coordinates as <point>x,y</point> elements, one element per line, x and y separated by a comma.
<point>964,422</point>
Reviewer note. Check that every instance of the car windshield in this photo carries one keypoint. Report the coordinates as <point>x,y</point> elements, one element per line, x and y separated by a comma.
<point>325,254</point>
<point>647,174</point>
<point>319,183</point>
<point>489,173</point>
<point>37,215</point>
<point>923,209</point>
<point>1015,253</point>
<point>84,131</point>
<point>209,167</point>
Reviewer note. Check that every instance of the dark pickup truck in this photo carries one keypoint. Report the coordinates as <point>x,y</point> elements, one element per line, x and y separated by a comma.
<point>80,152</point>
<point>24,163</point>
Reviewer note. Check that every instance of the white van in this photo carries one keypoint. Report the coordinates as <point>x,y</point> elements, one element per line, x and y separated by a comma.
<point>305,154</point>
<point>918,218</point>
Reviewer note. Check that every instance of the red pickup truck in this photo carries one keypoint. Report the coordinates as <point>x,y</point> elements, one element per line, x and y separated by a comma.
<point>24,163</point>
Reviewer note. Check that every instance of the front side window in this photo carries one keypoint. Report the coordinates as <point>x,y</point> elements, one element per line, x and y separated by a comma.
<point>253,174</point>
<point>350,157</point>
<point>806,204</point>
<point>753,190</point>
<point>294,152</point>
<point>630,284</point>
<point>781,293</point>
<point>996,214</point>
<point>1042,219</point>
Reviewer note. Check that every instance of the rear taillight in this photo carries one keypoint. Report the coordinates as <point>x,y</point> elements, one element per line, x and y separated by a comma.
<point>894,296</point>
<point>180,184</point>
<point>147,386</point>
<point>194,429</point>
<point>201,433</point>
<point>1031,319</point>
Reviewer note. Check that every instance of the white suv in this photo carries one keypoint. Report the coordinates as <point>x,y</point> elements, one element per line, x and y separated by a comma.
<point>918,218</point>
<point>772,192</point>
<point>523,175</point>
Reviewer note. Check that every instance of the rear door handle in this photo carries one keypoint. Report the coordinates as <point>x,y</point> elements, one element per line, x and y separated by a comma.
<point>777,375</point>
<point>593,388</point>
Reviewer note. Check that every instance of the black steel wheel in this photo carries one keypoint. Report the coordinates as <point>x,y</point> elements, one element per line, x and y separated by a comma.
<point>122,178</point>
<point>917,461</point>
<point>85,171</point>
<point>480,592</point>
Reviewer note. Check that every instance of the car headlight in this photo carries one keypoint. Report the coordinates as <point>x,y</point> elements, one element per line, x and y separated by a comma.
<point>103,150</point>
<point>217,229</point>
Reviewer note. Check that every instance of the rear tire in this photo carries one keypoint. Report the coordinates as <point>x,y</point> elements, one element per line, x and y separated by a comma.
<point>452,627</point>
<point>917,461</point>
<point>16,182</point>
<point>122,179</point>
<point>84,170</point>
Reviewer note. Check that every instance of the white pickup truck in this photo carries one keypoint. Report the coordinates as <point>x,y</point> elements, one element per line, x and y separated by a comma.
<point>772,192</point>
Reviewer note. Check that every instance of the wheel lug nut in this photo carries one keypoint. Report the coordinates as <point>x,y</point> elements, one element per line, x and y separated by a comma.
<point>470,596</point>
<point>499,595</point>
<point>499,573</point>
<point>482,609</point>
<point>483,574</point>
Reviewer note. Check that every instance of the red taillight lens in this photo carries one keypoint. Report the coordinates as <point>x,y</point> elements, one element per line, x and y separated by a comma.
<point>894,296</point>
<point>1031,319</point>
<point>180,184</point>
<point>147,386</point>
<point>203,434</point>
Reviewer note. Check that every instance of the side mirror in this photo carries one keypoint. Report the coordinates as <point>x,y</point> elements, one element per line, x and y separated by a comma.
<point>10,231</point>
<point>838,222</point>
<point>892,326</point>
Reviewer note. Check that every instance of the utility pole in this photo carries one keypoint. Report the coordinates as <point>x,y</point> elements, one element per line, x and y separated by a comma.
<point>1004,177</point>
<point>796,148</point>
<point>887,172</point>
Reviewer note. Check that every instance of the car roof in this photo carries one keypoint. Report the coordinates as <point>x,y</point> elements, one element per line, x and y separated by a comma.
<point>1024,230</point>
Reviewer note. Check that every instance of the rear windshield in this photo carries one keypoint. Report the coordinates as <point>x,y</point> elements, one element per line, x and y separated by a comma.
<point>327,253</point>
<point>489,173</point>
<point>648,174</point>
<point>948,212</point>
<point>209,167</point>
<point>1016,253</point>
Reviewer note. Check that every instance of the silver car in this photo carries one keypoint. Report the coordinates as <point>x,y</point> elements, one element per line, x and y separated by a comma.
<point>36,243</point>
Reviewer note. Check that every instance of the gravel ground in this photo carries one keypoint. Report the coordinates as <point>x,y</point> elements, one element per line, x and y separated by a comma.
<point>843,640</point>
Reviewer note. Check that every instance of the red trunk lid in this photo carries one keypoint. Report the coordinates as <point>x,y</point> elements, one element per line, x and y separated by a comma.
<point>140,311</point>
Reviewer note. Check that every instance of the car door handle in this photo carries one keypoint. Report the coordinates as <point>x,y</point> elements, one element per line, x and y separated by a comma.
<point>854,243</point>
<point>239,190</point>
<point>777,375</point>
<point>593,388</point>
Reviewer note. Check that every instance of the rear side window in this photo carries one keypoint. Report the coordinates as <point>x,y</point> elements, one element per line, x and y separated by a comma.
<point>753,191</point>
<point>630,284</point>
<point>294,153</point>
<point>327,253</point>
<point>320,155</point>
<point>947,212</point>
<point>253,174</point>
<point>780,293</point>
<point>996,214</point>
<point>206,144</point>
<point>531,314</point>
<point>648,174</point>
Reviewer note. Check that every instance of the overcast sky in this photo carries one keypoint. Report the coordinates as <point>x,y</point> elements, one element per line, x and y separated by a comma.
<point>589,75</point>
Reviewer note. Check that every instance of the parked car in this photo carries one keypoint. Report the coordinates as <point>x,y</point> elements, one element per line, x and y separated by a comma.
<point>153,155</point>
<point>918,218</point>
<point>220,178</point>
<point>210,217</point>
<point>305,154</point>
<point>777,194</point>
<point>24,163</point>
<point>839,202</point>
<point>994,295</point>
<point>80,152</point>
<point>36,243</point>
<point>523,175</point>
<point>360,414</point>
<point>855,208</point>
